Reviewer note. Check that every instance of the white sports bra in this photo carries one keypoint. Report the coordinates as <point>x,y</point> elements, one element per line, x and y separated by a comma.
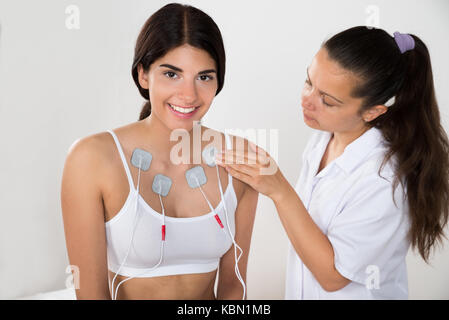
<point>192,245</point>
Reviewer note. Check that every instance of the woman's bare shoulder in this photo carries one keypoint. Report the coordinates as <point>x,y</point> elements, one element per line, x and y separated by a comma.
<point>94,147</point>
<point>238,144</point>
<point>99,146</point>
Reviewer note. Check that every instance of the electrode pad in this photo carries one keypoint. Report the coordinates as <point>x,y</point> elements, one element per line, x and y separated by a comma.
<point>196,175</point>
<point>209,155</point>
<point>161,184</point>
<point>141,155</point>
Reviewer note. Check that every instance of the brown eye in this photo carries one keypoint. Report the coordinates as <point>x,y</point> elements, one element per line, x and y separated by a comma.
<point>206,78</point>
<point>170,74</point>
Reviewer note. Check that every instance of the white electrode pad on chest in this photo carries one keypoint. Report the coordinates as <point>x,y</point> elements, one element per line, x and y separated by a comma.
<point>209,156</point>
<point>161,184</point>
<point>196,177</point>
<point>141,159</point>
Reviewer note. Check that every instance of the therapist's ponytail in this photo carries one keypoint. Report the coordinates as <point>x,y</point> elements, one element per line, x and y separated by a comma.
<point>411,126</point>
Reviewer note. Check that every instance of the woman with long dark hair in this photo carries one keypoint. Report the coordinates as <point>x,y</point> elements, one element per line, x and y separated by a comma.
<point>374,175</point>
<point>135,226</point>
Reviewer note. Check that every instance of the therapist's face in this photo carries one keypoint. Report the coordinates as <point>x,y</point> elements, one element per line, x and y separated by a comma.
<point>326,97</point>
<point>181,85</point>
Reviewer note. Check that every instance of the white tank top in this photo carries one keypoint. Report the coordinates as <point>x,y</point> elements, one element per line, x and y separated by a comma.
<point>192,245</point>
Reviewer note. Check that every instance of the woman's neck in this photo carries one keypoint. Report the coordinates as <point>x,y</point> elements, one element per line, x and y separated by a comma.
<point>340,140</point>
<point>164,139</point>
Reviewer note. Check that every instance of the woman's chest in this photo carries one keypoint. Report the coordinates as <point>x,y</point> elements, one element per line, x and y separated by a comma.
<point>182,201</point>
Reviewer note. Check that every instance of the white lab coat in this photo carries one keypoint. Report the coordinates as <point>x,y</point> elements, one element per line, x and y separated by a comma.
<point>353,206</point>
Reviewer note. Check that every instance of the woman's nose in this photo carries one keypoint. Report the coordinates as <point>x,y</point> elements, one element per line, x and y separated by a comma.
<point>307,101</point>
<point>188,91</point>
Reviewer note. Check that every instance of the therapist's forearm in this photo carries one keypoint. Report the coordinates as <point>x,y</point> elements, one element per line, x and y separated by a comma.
<point>311,245</point>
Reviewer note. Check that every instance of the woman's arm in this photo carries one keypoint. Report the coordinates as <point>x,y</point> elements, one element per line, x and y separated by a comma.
<point>309,242</point>
<point>311,245</point>
<point>229,286</point>
<point>83,215</point>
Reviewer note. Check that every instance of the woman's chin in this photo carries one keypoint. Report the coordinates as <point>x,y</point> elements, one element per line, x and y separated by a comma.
<point>311,124</point>
<point>184,125</point>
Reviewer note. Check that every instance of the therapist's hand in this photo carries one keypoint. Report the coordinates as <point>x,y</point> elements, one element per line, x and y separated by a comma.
<point>256,168</point>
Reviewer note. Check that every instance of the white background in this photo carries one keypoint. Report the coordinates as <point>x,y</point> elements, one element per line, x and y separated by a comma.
<point>58,85</point>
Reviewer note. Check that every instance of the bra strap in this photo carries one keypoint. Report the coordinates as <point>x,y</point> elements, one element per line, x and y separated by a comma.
<point>122,156</point>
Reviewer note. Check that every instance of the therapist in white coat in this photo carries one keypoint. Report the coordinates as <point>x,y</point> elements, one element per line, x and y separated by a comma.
<point>374,177</point>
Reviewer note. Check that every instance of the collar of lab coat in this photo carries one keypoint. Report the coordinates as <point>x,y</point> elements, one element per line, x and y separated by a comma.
<point>357,151</point>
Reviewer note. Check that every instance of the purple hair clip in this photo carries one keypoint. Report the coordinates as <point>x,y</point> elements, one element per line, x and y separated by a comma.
<point>404,41</point>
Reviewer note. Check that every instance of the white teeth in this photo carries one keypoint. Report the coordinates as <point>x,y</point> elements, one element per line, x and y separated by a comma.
<point>182,110</point>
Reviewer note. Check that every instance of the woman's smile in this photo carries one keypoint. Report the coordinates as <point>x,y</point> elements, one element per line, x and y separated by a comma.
<point>184,112</point>
<point>306,117</point>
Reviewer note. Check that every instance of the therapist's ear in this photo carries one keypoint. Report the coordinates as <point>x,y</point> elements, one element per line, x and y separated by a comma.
<point>373,112</point>
<point>143,77</point>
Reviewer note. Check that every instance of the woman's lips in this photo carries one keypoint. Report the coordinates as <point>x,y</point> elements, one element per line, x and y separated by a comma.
<point>180,114</point>
<point>306,117</point>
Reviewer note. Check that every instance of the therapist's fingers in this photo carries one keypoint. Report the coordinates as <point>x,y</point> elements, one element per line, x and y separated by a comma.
<point>249,170</point>
<point>252,146</point>
<point>268,168</point>
<point>239,157</point>
<point>254,153</point>
<point>258,150</point>
<point>239,175</point>
<point>239,154</point>
<point>232,158</point>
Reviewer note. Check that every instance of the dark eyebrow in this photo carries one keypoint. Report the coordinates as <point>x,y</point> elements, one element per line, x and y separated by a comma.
<point>207,71</point>
<point>180,70</point>
<point>171,67</point>
<point>322,92</point>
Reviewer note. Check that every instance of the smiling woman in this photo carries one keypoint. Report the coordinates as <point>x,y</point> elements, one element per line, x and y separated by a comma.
<point>113,224</point>
<point>196,80</point>
<point>187,28</point>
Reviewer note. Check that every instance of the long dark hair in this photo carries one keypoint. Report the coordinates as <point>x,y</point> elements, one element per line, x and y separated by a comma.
<point>172,26</point>
<point>411,126</point>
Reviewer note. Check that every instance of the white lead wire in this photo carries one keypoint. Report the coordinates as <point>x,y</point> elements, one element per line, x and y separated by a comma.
<point>114,293</point>
<point>236,269</point>
<point>236,246</point>
<point>134,226</point>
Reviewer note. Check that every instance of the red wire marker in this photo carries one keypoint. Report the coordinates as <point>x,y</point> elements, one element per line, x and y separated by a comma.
<point>218,220</point>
